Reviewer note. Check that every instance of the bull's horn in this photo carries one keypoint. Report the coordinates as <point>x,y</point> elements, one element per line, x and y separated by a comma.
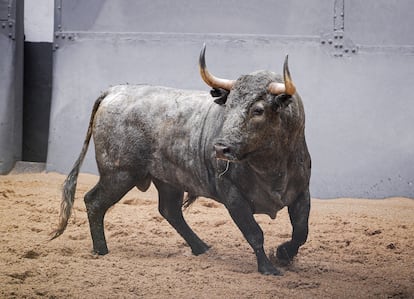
<point>209,78</point>
<point>287,88</point>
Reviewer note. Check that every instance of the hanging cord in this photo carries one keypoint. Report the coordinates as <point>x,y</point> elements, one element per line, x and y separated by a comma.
<point>227,168</point>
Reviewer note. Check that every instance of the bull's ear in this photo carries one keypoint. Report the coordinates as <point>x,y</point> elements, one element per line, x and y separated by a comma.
<point>280,101</point>
<point>220,95</point>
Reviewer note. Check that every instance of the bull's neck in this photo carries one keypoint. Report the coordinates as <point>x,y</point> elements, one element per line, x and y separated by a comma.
<point>276,156</point>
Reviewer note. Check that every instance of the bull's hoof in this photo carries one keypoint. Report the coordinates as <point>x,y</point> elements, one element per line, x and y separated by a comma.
<point>286,252</point>
<point>200,249</point>
<point>270,270</point>
<point>100,251</point>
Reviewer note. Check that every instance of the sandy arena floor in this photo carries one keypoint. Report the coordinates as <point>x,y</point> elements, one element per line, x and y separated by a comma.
<point>357,248</point>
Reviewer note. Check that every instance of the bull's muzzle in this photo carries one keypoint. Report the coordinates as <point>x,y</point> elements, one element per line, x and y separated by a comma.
<point>224,152</point>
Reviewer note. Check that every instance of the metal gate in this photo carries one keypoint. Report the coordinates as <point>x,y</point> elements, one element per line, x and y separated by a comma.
<point>11,82</point>
<point>352,61</point>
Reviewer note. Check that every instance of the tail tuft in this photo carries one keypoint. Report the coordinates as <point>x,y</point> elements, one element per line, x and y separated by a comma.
<point>68,198</point>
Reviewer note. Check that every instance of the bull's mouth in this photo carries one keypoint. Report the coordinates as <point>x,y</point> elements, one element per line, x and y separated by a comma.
<point>224,152</point>
<point>227,158</point>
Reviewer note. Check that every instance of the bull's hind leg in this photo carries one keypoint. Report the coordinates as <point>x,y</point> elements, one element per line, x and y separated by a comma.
<point>299,216</point>
<point>170,207</point>
<point>108,191</point>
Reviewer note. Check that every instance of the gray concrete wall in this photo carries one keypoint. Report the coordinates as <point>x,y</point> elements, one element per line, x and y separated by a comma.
<point>352,62</point>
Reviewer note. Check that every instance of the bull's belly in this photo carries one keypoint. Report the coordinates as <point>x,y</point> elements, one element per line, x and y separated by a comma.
<point>189,177</point>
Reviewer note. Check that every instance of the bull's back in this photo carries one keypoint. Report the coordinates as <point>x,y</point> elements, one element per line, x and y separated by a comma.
<point>155,131</point>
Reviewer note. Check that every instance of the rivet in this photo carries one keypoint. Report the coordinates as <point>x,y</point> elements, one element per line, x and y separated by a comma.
<point>63,36</point>
<point>10,24</point>
<point>330,42</point>
<point>3,25</point>
<point>70,37</point>
<point>346,50</point>
<point>340,46</point>
<point>323,42</point>
<point>353,50</point>
<point>56,46</point>
<point>57,35</point>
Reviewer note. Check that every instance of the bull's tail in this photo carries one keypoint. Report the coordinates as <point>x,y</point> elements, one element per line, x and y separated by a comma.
<point>69,186</point>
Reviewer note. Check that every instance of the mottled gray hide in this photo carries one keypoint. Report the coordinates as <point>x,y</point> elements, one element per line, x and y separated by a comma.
<point>249,153</point>
<point>169,134</point>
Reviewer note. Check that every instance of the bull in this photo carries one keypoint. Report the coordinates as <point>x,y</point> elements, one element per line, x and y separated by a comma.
<point>246,150</point>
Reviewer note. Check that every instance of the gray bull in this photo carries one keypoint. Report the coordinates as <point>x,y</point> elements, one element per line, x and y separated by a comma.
<point>247,151</point>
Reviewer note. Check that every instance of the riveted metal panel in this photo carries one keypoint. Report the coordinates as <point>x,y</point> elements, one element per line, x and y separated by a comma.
<point>11,79</point>
<point>5,9</point>
<point>380,22</point>
<point>357,95</point>
<point>199,16</point>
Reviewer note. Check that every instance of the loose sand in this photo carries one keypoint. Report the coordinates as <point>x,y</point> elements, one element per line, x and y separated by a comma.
<point>357,248</point>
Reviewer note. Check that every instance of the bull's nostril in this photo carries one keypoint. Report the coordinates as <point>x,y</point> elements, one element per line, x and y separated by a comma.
<point>226,150</point>
<point>221,150</point>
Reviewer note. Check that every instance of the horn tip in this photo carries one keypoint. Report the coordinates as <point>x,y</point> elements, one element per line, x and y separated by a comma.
<point>202,60</point>
<point>290,87</point>
<point>285,64</point>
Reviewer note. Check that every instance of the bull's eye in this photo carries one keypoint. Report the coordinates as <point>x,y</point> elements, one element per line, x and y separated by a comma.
<point>257,111</point>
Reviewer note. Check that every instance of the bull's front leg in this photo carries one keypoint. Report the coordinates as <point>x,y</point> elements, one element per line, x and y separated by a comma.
<point>242,215</point>
<point>299,216</point>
